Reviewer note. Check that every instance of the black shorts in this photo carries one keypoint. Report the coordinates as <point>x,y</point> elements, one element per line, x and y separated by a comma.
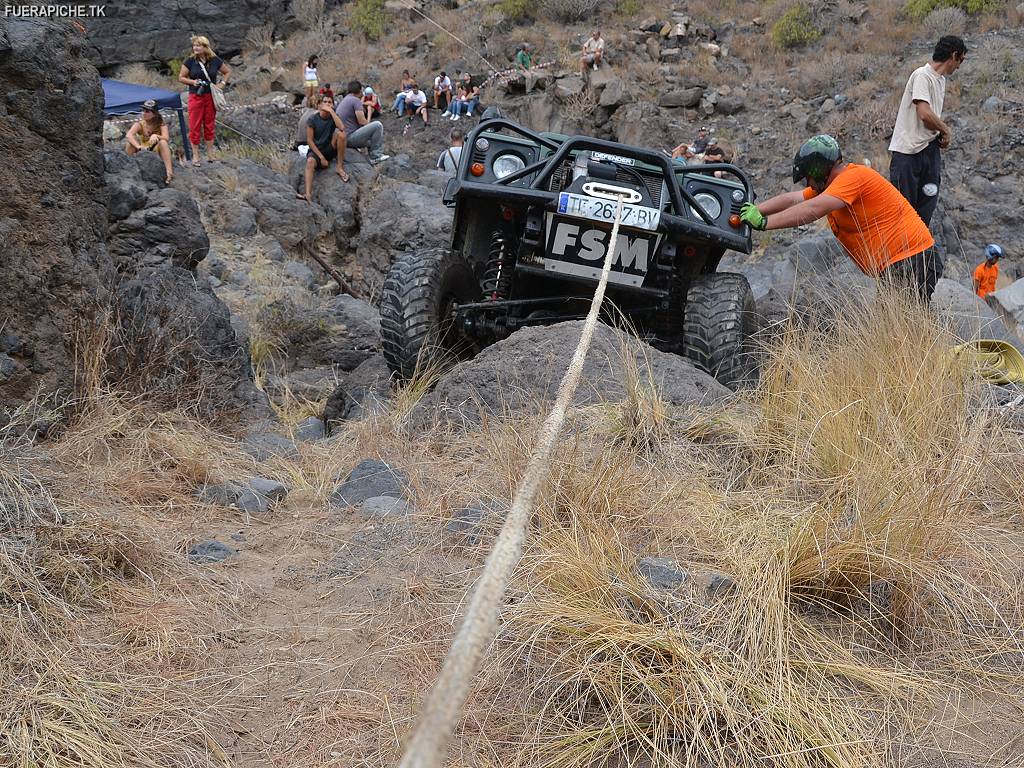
<point>327,152</point>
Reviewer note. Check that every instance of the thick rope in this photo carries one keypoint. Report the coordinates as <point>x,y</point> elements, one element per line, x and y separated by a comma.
<point>429,743</point>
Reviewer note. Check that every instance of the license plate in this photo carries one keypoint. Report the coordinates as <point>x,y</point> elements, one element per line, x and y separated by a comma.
<point>596,209</point>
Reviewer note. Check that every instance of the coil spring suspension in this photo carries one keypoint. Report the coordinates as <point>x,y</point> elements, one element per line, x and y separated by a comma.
<point>498,270</point>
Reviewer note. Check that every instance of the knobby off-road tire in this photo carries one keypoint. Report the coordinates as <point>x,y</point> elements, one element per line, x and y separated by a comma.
<point>419,291</point>
<point>719,326</point>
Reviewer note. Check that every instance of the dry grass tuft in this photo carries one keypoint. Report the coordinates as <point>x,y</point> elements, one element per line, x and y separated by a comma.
<point>854,500</point>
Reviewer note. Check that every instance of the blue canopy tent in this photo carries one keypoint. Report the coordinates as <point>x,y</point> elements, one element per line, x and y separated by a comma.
<point>120,98</point>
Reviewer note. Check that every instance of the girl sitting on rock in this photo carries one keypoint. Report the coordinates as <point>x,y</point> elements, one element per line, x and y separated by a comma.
<point>150,133</point>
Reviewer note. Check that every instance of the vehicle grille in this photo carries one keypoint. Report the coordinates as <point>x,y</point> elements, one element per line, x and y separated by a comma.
<point>562,177</point>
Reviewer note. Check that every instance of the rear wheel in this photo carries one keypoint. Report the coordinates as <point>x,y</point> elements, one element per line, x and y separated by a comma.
<point>719,325</point>
<point>416,327</point>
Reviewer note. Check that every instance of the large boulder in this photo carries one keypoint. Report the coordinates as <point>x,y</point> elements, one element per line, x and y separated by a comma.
<point>644,125</point>
<point>526,368</point>
<point>166,231</point>
<point>158,32</point>
<point>179,346</point>
<point>969,317</point>
<point>342,333</point>
<point>400,217</point>
<point>55,271</point>
<point>1009,303</point>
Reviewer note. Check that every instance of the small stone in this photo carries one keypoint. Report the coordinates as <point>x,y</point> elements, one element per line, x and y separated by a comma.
<point>212,551</point>
<point>755,130</point>
<point>467,523</point>
<point>10,343</point>
<point>671,54</point>
<point>712,48</point>
<point>665,29</point>
<point>272,489</point>
<point>310,430</point>
<point>827,106</point>
<point>386,506</point>
<point>992,104</point>
<point>224,494</point>
<point>679,30</point>
<point>661,573</point>
<point>8,367</point>
<point>683,97</point>
<point>300,273</point>
<point>268,445</point>
<point>370,478</point>
<point>252,503</point>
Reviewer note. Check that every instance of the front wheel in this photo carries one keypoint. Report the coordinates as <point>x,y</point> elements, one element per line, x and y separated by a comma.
<point>416,327</point>
<point>719,326</point>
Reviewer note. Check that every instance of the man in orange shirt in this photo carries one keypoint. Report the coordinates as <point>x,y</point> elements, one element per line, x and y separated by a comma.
<point>986,273</point>
<point>876,225</point>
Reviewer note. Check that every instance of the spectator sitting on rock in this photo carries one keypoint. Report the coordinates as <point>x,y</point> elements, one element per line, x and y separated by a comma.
<point>359,130</point>
<point>700,144</point>
<point>448,160</point>
<point>325,136</point>
<point>442,91</point>
<point>310,79</point>
<point>326,90</point>
<point>150,133</point>
<point>468,97</point>
<point>593,51</point>
<point>371,103</point>
<point>524,61</point>
<point>406,86</point>
<point>416,102</point>
<point>687,151</point>
<point>715,153</point>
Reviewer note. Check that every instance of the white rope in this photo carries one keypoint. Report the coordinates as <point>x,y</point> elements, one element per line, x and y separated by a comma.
<point>429,743</point>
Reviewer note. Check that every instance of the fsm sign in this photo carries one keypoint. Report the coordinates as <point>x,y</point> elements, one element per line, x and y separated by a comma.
<point>578,249</point>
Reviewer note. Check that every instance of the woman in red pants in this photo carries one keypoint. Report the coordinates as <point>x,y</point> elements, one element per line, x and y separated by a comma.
<point>202,72</point>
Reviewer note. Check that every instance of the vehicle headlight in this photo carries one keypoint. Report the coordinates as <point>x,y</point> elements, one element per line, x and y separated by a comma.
<point>712,207</point>
<point>737,195</point>
<point>506,165</point>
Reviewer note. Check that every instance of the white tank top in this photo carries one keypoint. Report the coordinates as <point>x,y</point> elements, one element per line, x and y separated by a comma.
<point>310,72</point>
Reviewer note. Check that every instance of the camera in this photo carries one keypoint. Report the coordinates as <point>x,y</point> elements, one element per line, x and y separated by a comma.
<point>202,86</point>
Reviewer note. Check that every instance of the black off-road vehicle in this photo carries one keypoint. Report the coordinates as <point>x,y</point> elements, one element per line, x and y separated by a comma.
<point>533,219</point>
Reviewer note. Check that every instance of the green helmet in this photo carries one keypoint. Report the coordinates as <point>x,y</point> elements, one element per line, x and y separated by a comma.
<point>816,158</point>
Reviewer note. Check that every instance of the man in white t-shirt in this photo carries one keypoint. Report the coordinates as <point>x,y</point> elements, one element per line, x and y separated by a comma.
<point>593,51</point>
<point>448,160</point>
<point>919,135</point>
<point>442,90</point>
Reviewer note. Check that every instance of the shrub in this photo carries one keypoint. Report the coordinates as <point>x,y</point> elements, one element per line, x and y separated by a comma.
<point>369,18</point>
<point>795,28</point>
<point>570,10</point>
<point>918,9</point>
<point>517,10</point>
<point>945,21</point>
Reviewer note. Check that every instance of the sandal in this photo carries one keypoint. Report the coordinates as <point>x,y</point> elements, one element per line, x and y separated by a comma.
<point>196,163</point>
<point>344,176</point>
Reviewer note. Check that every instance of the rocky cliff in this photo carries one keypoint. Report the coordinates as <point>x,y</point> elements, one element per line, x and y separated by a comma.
<point>54,268</point>
<point>136,31</point>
